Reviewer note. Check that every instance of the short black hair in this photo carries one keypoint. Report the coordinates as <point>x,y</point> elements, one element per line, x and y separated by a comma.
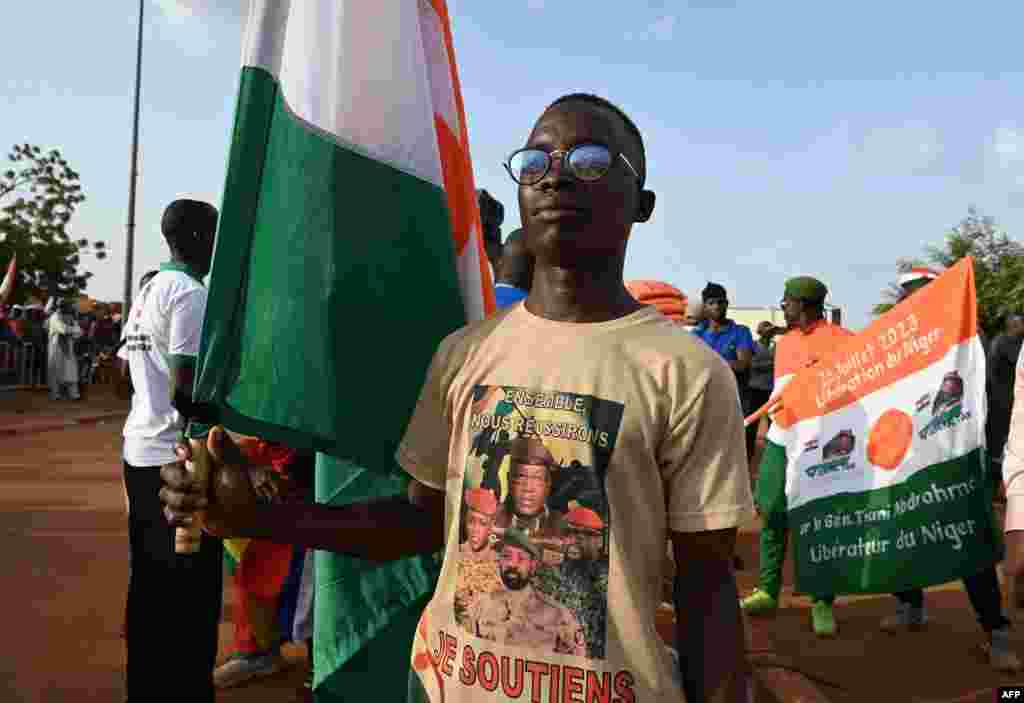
<point>184,218</point>
<point>598,101</point>
<point>714,291</point>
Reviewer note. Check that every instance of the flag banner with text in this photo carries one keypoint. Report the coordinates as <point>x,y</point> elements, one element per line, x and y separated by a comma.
<point>876,458</point>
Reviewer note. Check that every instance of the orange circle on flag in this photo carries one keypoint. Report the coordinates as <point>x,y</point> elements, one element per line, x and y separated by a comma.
<point>890,438</point>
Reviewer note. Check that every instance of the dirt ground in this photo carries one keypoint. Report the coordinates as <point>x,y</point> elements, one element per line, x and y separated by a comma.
<point>64,538</point>
<point>63,535</point>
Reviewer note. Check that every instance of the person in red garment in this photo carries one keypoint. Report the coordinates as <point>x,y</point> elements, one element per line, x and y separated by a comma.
<point>261,567</point>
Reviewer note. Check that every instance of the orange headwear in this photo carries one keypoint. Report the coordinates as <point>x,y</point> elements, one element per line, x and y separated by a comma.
<point>482,500</point>
<point>586,518</point>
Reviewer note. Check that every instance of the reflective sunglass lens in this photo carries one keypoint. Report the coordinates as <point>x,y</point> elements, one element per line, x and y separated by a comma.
<point>589,162</point>
<point>528,166</point>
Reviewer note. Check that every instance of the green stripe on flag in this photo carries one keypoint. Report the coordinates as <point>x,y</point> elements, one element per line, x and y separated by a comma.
<point>333,283</point>
<point>386,593</point>
<point>334,280</point>
<point>934,527</point>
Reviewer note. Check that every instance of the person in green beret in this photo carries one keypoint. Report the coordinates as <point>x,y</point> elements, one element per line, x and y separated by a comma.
<point>808,339</point>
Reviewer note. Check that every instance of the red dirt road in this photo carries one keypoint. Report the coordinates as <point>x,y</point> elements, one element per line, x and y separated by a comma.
<point>63,535</point>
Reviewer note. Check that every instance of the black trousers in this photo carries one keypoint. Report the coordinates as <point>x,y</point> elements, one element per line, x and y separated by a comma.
<point>983,592</point>
<point>174,603</point>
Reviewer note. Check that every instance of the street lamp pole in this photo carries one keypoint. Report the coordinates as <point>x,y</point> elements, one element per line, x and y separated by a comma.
<point>129,249</point>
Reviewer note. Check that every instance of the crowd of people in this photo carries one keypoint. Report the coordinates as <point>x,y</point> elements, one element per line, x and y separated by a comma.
<point>562,469</point>
<point>56,345</point>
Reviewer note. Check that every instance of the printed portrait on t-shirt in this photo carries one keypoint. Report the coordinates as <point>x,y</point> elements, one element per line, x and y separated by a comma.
<point>534,524</point>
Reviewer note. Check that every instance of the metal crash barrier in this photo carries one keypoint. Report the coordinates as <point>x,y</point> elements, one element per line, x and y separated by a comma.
<point>21,364</point>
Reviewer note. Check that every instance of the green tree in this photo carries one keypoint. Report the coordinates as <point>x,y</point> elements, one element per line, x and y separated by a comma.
<point>998,268</point>
<point>39,193</point>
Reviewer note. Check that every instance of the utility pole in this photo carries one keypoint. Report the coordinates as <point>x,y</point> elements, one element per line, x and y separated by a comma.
<point>129,249</point>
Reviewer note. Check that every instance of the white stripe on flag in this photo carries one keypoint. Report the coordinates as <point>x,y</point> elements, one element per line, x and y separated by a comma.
<point>367,88</point>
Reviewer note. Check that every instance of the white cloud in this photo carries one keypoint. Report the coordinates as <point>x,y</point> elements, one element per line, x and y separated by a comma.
<point>535,4</point>
<point>661,29</point>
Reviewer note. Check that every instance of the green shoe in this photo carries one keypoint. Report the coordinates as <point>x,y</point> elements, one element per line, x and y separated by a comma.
<point>759,603</point>
<point>822,619</point>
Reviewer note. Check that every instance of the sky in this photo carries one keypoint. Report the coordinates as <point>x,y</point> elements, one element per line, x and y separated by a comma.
<point>783,138</point>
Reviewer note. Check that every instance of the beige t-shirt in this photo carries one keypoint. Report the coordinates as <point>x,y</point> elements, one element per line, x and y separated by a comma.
<point>596,440</point>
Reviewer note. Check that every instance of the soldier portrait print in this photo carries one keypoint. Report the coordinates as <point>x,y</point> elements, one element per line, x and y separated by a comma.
<point>951,392</point>
<point>534,524</point>
<point>840,445</point>
<point>478,558</point>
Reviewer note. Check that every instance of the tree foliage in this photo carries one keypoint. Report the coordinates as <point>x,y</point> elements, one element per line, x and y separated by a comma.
<point>39,193</point>
<point>998,268</point>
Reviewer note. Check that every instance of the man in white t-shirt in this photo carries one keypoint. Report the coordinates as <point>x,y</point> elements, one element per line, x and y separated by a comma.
<point>639,407</point>
<point>161,340</point>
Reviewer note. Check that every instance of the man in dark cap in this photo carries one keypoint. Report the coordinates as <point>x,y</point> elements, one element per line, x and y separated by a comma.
<point>810,337</point>
<point>529,474</point>
<point>732,341</point>
<point>161,336</point>
<point>513,272</point>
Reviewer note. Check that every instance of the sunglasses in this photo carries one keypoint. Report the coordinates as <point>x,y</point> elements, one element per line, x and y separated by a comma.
<point>586,162</point>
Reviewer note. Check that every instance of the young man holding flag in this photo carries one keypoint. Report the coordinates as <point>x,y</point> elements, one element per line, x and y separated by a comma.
<point>617,384</point>
<point>810,337</point>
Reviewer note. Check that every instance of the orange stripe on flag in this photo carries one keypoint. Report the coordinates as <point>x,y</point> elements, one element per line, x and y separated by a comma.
<point>912,336</point>
<point>458,184</point>
<point>458,170</point>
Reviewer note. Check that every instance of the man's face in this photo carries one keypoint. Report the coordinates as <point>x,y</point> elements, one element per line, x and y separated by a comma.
<point>583,543</point>
<point>516,567</point>
<point>478,529</point>
<point>570,222</point>
<point>530,487</point>
<point>1015,326</point>
<point>791,309</point>
<point>716,308</point>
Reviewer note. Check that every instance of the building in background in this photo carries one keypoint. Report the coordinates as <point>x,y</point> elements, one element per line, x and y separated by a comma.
<point>751,316</point>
